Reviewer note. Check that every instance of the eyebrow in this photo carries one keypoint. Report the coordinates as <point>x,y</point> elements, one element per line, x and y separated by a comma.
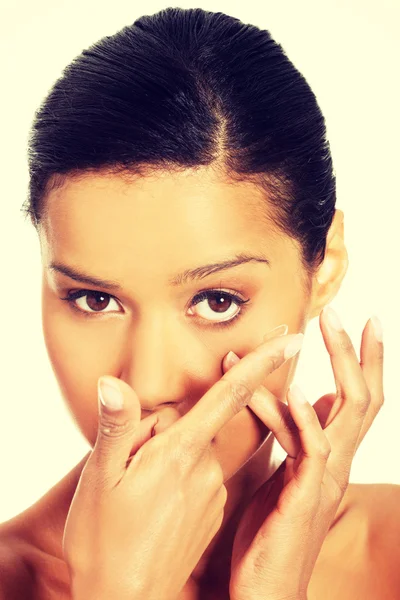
<point>182,278</point>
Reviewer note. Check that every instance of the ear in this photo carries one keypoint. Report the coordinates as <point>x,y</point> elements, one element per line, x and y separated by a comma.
<point>329,276</point>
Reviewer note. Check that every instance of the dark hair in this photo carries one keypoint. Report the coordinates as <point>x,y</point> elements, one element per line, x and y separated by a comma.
<point>183,89</point>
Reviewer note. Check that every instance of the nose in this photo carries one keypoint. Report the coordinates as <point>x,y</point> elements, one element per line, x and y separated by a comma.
<point>156,364</point>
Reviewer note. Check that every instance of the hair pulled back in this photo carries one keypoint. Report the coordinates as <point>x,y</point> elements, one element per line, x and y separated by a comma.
<point>184,89</point>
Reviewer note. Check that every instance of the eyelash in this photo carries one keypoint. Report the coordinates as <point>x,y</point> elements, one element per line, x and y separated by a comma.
<point>203,295</point>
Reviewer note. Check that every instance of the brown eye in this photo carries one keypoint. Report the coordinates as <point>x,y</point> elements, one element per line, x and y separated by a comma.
<point>211,305</point>
<point>95,300</point>
<point>219,302</point>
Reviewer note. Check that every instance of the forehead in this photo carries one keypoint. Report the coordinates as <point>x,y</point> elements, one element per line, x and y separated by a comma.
<point>163,215</point>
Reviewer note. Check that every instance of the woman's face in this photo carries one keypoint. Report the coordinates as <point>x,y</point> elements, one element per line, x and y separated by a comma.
<point>154,330</point>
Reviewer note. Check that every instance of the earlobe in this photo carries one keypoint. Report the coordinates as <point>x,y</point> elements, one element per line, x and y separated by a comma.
<point>329,277</point>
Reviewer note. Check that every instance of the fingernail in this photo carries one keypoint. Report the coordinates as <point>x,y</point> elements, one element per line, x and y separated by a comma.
<point>110,395</point>
<point>232,358</point>
<point>333,318</point>
<point>280,330</point>
<point>377,326</point>
<point>293,346</point>
<point>298,395</point>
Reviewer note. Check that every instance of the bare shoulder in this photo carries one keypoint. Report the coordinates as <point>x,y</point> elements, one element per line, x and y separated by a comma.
<point>16,579</point>
<point>31,561</point>
<point>359,558</point>
<point>27,570</point>
<point>381,503</point>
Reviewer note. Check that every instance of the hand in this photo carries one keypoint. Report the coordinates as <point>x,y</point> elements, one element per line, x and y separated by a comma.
<point>138,525</point>
<point>282,530</point>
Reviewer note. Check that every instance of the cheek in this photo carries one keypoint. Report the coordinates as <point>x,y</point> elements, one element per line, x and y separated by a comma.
<point>238,441</point>
<point>77,361</point>
<point>243,435</point>
<point>278,381</point>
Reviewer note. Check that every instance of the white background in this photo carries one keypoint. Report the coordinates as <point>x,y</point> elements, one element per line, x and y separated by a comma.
<point>349,52</point>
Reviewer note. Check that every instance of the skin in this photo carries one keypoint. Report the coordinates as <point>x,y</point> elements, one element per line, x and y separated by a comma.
<point>140,234</point>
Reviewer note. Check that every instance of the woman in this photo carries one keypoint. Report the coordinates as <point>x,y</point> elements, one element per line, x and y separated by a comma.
<point>184,148</point>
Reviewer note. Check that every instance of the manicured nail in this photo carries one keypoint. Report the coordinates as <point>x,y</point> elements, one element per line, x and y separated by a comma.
<point>293,346</point>
<point>377,326</point>
<point>232,358</point>
<point>333,318</point>
<point>280,330</point>
<point>110,395</point>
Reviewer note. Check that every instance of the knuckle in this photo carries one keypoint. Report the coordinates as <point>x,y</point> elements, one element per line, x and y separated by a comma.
<point>147,453</point>
<point>186,451</point>
<point>238,393</point>
<point>361,403</point>
<point>113,427</point>
<point>324,449</point>
<point>215,476</point>
<point>274,361</point>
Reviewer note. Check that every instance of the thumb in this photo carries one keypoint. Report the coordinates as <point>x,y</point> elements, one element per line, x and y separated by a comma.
<point>118,427</point>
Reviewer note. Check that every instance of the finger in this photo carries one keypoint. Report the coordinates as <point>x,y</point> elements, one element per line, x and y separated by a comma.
<point>352,392</point>
<point>230,394</point>
<point>151,426</point>
<point>304,475</point>
<point>231,358</point>
<point>118,429</point>
<point>274,414</point>
<point>372,366</point>
<point>145,431</point>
